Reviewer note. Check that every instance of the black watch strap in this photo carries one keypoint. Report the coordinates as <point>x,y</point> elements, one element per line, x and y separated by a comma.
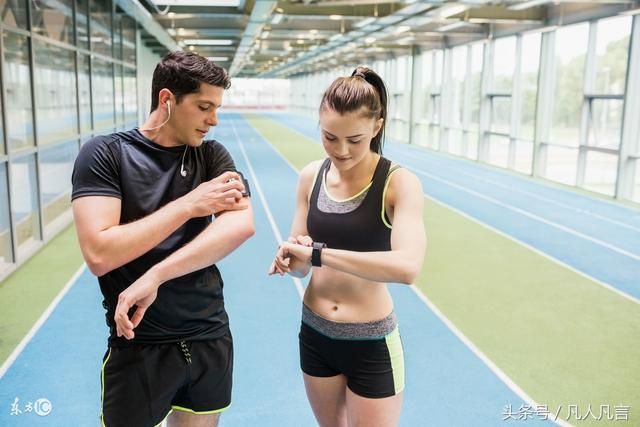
<point>316,253</point>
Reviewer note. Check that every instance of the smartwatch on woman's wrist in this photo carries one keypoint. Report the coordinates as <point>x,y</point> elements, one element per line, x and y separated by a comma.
<point>316,253</point>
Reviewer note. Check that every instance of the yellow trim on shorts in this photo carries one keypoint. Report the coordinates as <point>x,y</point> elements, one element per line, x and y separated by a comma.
<point>384,195</point>
<point>191,411</point>
<point>396,356</point>
<point>102,390</point>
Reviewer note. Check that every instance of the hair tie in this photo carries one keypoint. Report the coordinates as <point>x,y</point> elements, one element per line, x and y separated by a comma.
<point>359,74</point>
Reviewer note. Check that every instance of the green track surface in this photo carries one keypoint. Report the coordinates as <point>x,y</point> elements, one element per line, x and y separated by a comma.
<point>561,337</point>
<point>27,293</point>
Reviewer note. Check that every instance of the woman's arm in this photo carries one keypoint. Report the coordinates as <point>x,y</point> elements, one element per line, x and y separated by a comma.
<point>299,234</point>
<point>408,240</point>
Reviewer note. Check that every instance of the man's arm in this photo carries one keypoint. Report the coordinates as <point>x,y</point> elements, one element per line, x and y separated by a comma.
<point>107,245</point>
<point>219,239</point>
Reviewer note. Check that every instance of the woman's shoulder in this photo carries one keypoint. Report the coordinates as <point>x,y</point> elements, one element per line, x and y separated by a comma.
<point>311,170</point>
<point>401,178</point>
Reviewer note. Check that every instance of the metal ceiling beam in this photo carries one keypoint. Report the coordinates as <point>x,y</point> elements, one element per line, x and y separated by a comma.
<point>134,9</point>
<point>353,37</point>
<point>260,14</point>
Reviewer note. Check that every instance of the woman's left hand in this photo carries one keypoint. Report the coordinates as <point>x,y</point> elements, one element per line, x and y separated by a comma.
<point>290,256</point>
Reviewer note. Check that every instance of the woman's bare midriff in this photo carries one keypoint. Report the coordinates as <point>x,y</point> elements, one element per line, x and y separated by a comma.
<point>343,297</point>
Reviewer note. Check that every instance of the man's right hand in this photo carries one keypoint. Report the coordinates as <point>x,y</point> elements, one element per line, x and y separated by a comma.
<point>222,193</point>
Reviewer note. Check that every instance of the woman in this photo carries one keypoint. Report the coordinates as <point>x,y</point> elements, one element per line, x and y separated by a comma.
<point>350,349</point>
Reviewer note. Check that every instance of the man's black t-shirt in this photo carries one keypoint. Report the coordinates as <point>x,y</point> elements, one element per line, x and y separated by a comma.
<point>147,176</point>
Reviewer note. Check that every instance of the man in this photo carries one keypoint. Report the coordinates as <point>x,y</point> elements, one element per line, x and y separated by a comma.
<point>142,203</point>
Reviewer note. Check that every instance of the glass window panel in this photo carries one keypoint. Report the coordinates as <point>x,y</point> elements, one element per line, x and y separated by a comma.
<point>458,75</point>
<point>128,39</point>
<point>131,96</point>
<point>55,87</point>
<point>434,137</point>
<point>401,72</point>
<point>612,47</point>
<point>24,201</point>
<point>454,143</point>
<point>14,13</point>
<point>435,109</point>
<point>6,253</point>
<point>499,150</point>
<point>53,19</point>
<point>82,26</point>
<point>56,164</point>
<point>100,13</point>
<point>600,172</point>
<point>119,94</point>
<point>562,164</point>
<point>427,71</point>
<point>635,196</point>
<point>530,66</point>
<point>102,85</point>
<point>475,83</point>
<point>439,64</point>
<point>472,145</point>
<point>524,157</point>
<point>571,50</point>
<point>605,122</point>
<point>501,114</point>
<point>17,78</point>
<point>84,86</point>
<point>117,36</point>
<point>504,64</point>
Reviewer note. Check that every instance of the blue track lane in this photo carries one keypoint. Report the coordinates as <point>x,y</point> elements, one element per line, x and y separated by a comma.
<point>596,237</point>
<point>61,363</point>
<point>447,385</point>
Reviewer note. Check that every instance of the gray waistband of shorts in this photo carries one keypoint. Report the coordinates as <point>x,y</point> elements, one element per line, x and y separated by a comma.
<point>351,331</point>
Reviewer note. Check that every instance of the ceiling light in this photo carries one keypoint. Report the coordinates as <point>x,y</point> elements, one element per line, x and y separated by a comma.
<point>265,34</point>
<point>214,3</point>
<point>335,17</point>
<point>402,29</point>
<point>218,58</point>
<point>454,9</point>
<point>369,40</point>
<point>452,26</point>
<point>277,18</point>
<point>209,42</point>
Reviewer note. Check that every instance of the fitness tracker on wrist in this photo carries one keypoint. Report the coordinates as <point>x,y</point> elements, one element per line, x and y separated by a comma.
<point>316,253</point>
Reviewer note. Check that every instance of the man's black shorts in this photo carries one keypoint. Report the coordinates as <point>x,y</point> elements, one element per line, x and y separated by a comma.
<point>142,383</point>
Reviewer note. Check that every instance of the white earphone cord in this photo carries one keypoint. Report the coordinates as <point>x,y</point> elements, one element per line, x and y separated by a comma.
<point>163,123</point>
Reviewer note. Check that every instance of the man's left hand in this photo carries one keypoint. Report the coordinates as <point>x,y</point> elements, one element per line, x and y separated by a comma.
<point>141,293</point>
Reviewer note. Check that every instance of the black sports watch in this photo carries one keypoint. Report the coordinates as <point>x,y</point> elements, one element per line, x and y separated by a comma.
<point>316,253</point>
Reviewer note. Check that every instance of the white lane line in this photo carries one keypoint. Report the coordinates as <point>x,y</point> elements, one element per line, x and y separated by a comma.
<point>265,205</point>
<point>529,215</point>
<point>483,358</point>
<point>43,318</point>
<point>538,197</point>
